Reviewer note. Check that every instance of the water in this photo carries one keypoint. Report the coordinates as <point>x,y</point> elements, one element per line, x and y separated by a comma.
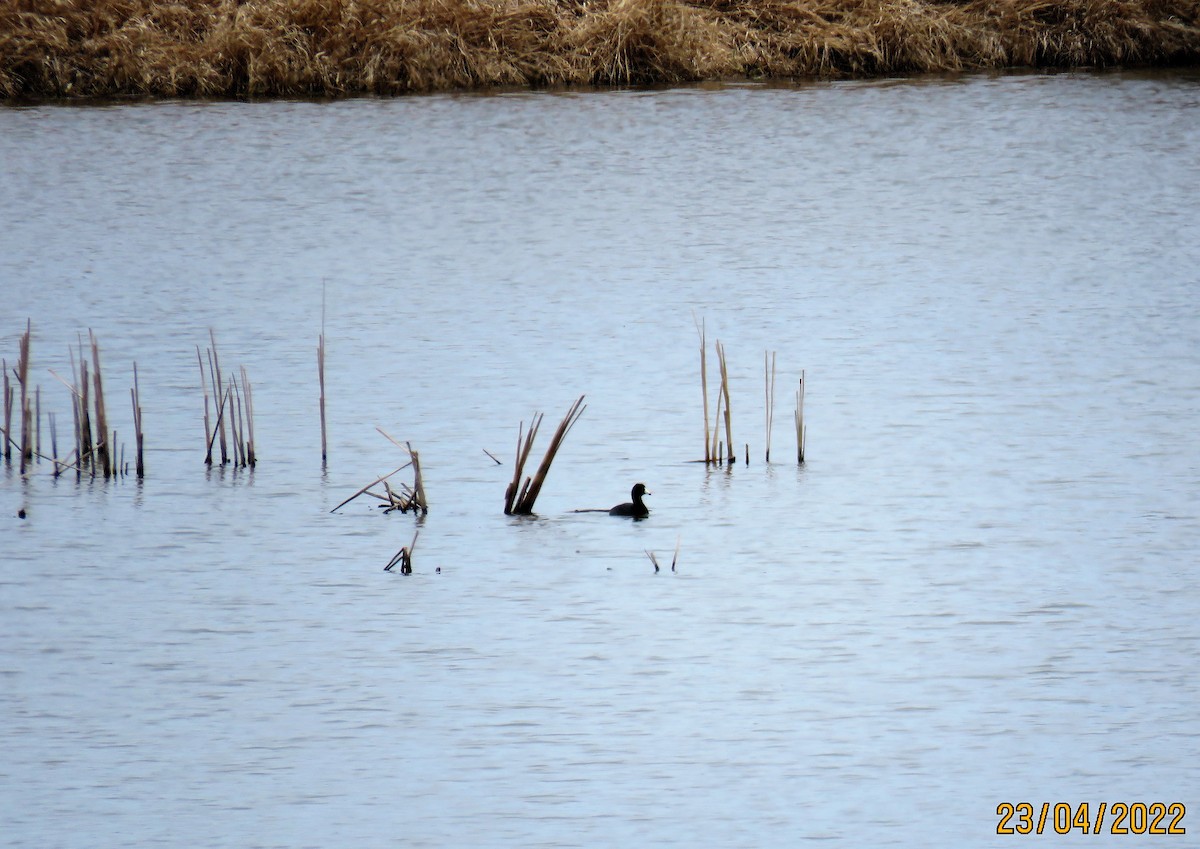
<point>980,587</point>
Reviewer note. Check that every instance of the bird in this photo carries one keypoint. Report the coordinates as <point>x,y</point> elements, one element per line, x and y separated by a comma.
<point>636,508</point>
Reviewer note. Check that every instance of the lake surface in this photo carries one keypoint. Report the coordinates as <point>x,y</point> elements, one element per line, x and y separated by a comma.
<point>979,588</point>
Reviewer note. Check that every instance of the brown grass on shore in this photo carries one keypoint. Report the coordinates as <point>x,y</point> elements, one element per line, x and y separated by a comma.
<point>259,48</point>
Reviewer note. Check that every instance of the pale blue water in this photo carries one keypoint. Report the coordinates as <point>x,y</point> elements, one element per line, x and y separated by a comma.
<point>980,587</point>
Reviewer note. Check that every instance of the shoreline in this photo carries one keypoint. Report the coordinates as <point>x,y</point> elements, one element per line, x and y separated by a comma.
<point>258,49</point>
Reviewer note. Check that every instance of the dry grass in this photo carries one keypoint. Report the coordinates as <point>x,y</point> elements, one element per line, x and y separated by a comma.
<point>247,48</point>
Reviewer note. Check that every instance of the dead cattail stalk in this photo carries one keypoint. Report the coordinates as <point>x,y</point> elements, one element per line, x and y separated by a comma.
<point>23,380</point>
<point>321,380</point>
<point>801,433</point>
<point>529,494</point>
<point>8,403</point>
<point>725,393</point>
<point>704,384</point>
<point>207,428</point>
<point>53,442</point>
<point>218,424</point>
<point>715,451</point>
<point>248,456</point>
<point>769,389</point>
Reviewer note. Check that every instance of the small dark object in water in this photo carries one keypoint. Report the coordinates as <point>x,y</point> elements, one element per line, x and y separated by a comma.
<point>634,508</point>
<point>21,513</point>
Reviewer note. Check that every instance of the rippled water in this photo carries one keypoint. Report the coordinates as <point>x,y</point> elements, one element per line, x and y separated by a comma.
<point>979,588</point>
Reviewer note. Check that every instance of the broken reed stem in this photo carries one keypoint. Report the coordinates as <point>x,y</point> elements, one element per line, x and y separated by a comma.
<point>715,451</point>
<point>371,484</point>
<point>800,430</point>
<point>725,392</point>
<point>404,556</point>
<point>237,426</point>
<point>769,389</point>
<point>704,384</point>
<point>321,380</point>
<point>8,401</point>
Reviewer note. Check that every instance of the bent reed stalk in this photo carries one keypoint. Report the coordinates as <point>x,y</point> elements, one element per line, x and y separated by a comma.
<point>264,48</point>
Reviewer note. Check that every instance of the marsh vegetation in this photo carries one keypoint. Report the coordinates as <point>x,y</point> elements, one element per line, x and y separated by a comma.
<point>261,48</point>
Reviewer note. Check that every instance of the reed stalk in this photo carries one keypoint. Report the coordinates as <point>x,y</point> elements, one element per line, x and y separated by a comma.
<point>769,390</point>
<point>371,484</point>
<point>37,430</point>
<point>23,381</point>
<point>715,451</point>
<point>725,393</point>
<point>418,483</point>
<point>220,415</point>
<point>86,451</point>
<point>135,397</point>
<point>248,454</point>
<point>524,446</point>
<point>236,425</point>
<point>704,384</point>
<point>801,432</point>
<point>207,425</point>
<point>103,447</point>
<point>404,557</point>
<point>321,381</point>
<point>8,404</point>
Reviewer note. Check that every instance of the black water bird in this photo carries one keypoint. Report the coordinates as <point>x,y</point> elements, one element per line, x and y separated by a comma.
<point>636,508</point>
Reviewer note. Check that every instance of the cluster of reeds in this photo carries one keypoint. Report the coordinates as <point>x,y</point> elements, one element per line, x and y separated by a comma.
<point>234,400</point>
<point>518,498</point>
<point>208,48</point>
<point>714,449</point>
<point>718,451</point>
<point>407,498</point>
<point>96,448</point>
<point>801,430</point>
